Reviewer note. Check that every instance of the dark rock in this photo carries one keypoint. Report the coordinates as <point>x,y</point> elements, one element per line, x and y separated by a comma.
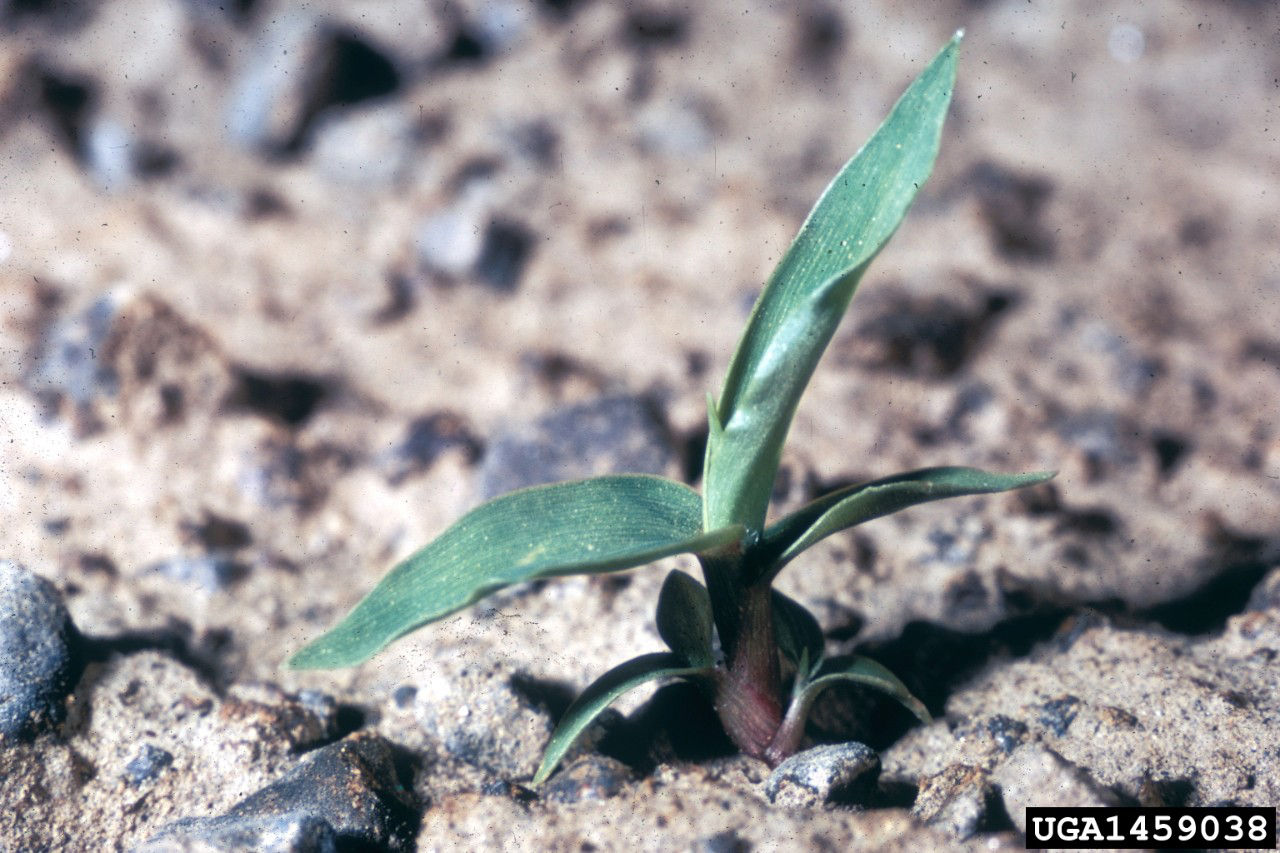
<point>843,773</point>
<point>350,787</point>
<point>288,399</point>
<point>290,833</point>
<point>594,777</point>
<point>503,255</point>
<point>955,800</point>
<point>38,663</point>
<point>1058,714</point>
<point>147,764</point>
<point>299,69</point>
<point>1007,732</point>
<point>425,440</point>
<point>611,434</point>
<point>723,842</point>
<point>67,364</point>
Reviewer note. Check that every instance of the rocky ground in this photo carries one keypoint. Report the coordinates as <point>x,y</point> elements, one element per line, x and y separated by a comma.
<point>288,287</point>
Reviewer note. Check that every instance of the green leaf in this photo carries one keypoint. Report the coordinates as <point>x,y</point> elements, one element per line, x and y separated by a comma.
<point>805,298</point>
<point>602,693</point>
<point>585,527</point>
<point>847,507</point>
<point>857,670</point>
<point>684,618</point>
<point>798,635</point>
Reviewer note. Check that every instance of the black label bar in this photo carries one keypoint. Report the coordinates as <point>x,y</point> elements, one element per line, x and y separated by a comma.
<point>1232,828</point>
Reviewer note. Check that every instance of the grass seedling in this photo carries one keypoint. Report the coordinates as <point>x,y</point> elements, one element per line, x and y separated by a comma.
<point>732,635</point>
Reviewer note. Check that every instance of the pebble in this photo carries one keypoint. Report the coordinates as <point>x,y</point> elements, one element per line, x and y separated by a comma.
<point>37,653</point>
<point>594,777</point>
<point>346,793</point>
<point>370,147</point>
<point>611,434</point>
<point>291,833</point>
<point>68,363</point>
<point>833,774</point>
<point>954,801</point>
<point>150,761</point>
<point>206,572</point>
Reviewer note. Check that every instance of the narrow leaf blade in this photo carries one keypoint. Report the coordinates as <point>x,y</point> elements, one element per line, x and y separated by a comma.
<point>845,508</point>
<point>864,671</point>
<point>806,297</point>
<point>585,527</point>
<point>601,694</point>
<point>684,618</point>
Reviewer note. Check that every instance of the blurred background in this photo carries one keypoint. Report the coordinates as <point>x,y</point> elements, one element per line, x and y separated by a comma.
<point>287,287</point>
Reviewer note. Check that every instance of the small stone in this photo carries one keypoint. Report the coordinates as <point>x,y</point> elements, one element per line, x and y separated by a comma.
<point>368,147</point>
<point>147,765</point>
<point>425,440</point>
<point>674,129</point>
<point>595,777</point>
<point>291,833</point>
<point>834,774</point>
<point>1102,436</point>
<point>1058,714</point>
<point>954,801</point>
<point>611,434</point>
<point>205,572</point>
<point>37,659</point>
<point>1035,775</point>
<point>723,842</point>
<point>350,787</point>
<point>67,364</point>
<point>503,255</point>
<point>1007,732</point>
<point>449,242</point>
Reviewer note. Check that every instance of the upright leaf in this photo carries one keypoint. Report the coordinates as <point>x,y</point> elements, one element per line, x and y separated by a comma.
<point>684,618</point>
<point>805,298</point>
<point>847,507</point>
<point>584,527</point>
<point>602,693</point>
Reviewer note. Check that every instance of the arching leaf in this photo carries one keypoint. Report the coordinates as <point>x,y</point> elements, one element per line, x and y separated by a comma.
<point>602,693</point>
<point>844,508</point>
<point>585,527</point>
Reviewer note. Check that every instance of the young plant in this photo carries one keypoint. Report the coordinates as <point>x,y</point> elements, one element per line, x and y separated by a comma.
<point>730,636</point>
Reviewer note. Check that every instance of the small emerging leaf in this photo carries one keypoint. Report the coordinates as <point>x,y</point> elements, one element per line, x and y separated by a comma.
<point>602,693</point>
<point>806,297</point>
<point>585,527</point>
<point>842,509</point>
<point>684,618</point>
<point>798,635</point>
<point>865,671</point>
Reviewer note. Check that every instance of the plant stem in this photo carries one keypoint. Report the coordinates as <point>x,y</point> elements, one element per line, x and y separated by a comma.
<point>748,697</point>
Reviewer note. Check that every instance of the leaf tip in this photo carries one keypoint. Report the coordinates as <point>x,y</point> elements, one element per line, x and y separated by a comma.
<point>958,37</point>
